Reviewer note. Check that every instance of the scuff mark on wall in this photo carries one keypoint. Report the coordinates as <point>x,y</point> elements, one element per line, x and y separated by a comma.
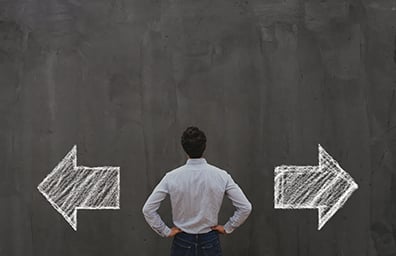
<point>394,52</point>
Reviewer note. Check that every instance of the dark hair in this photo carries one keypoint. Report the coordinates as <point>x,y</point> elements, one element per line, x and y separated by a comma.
<point>193,141</point>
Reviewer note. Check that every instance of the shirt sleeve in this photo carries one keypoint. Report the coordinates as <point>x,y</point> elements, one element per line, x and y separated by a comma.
<point>240,202</point>
<point>151,207</point>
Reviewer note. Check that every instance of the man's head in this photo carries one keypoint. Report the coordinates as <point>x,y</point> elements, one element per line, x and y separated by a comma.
<point>193,141</point>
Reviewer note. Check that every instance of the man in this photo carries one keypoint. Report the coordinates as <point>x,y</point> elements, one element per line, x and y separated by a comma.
<point>196,192</point>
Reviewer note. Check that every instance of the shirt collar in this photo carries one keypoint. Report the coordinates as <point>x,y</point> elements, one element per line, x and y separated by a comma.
<point>194,161</point>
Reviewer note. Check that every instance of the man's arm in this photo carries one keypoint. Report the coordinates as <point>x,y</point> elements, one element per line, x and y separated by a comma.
<point>151,207</point>
<point>240,202</point>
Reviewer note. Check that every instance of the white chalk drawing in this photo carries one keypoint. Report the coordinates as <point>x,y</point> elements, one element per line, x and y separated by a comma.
<point>325,187</point>
<point>70,187</point>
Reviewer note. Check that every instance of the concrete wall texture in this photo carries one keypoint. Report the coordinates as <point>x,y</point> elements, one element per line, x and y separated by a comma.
<point>267,80</point>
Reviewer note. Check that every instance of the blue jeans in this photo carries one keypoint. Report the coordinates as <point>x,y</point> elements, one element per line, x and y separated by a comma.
<point>196,245</point>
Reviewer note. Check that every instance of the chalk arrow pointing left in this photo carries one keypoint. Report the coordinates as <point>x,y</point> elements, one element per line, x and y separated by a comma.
<point>325,187</point>
<point>69,187</point>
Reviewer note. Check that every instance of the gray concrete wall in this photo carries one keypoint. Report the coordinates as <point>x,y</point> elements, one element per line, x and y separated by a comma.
<point>266,80</point>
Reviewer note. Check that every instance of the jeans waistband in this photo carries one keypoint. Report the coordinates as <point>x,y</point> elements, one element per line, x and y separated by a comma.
<point>198,238</point>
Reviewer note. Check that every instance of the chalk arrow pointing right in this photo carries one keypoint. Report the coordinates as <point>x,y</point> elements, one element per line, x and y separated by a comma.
<point>325,187</point>
<point>70,187</point>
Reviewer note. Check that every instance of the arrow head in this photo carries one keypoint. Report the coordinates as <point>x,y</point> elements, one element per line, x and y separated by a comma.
<point>337,190</point>
<point>53,185</point>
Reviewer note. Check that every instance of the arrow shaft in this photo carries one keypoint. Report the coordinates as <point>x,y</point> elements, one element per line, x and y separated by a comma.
<point>301,186</point>
<point>101,187</point>
<point>91,188</point>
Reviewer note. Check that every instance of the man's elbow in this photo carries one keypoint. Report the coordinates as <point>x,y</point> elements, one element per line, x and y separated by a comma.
<point>146,210</point>
<point>248,209</point>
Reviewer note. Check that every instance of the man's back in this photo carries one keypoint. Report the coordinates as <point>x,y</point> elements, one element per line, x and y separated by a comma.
<point>196,192</point>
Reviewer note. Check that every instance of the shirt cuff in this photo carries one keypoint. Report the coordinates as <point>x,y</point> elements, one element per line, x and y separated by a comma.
<point>228,228</point>
<point>166,232</point>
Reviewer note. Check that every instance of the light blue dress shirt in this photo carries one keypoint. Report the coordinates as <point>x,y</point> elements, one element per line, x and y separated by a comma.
<point>196,192</point>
